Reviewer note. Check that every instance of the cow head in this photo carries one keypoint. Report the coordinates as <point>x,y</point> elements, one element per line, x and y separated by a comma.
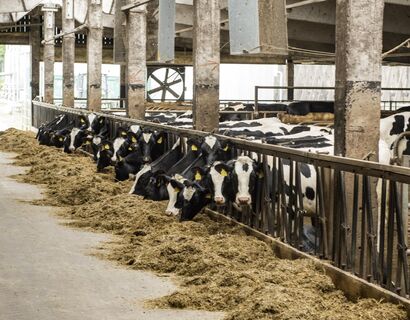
<point>57,138</point>
<point>244,175</point>
<point>105,153</point>
<point>151,144</point>
<point>192,199</point>
<point>83,122</point>
<point>76,139</point>
<point>130,145</point>
<point>98,123</point>
<point>220,182</point>
<point>157,187</point>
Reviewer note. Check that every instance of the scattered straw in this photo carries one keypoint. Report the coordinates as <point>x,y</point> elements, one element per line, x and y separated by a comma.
<point>218,266</point>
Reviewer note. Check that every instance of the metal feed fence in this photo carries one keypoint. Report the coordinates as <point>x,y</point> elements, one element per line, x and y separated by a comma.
<point>358,217</point>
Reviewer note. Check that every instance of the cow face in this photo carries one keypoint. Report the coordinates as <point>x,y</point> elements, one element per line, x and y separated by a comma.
<point>244,180</point>
<point>151,143</point>
<point>76,139</point>
<point>210,148</point>
<point>98,123</point>
<point>192,199</point>
<point>220,176</point>
<point>174,187</point>
<point>157,187</point>
<point>130,145</point>
<point>84,123</point>
<point>57,138</point>
<point>105,153</point>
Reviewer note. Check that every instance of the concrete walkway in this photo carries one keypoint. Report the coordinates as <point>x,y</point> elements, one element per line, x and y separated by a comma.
<point>46,274</point>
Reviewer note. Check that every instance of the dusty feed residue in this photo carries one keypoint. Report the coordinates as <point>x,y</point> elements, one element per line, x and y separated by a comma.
<point>217,265</point>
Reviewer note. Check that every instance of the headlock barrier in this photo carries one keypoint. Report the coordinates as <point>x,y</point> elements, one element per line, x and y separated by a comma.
<point>355,217</point>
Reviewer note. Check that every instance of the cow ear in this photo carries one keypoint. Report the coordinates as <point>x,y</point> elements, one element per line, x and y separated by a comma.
<point>178,186</point>
<point>132,137</point>
<point>223,169</point>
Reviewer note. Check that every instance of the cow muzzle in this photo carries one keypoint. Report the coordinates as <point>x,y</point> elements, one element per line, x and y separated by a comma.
<point>172,212</point>
<point>244,200</point>
<point>219,200</point>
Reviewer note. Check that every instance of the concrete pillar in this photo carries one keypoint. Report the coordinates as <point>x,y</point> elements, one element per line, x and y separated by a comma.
<point>136,62</point>
<point>48,52</point>
<point>290,67</point>
<point>94,54</point>
<point>359,26</point>
<point>68,53</point>
<point>359,29</point>
<point>123,84</point>
<point>206,44</point>
<point>152,31</point>
<point>35,43</point>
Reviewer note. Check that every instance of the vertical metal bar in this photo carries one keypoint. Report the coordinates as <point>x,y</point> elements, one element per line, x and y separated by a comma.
<point>382,224</point>
<point>390,236</point>
<point>323,239</point>
<point>354,222</point>
<point>362,268</point>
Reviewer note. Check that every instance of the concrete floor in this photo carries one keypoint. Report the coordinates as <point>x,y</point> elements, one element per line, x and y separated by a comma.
<point>46,272</point>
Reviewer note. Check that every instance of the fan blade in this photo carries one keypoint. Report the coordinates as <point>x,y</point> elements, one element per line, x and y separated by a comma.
<point>166,75</point>
<point>172,92</point>
<point>156,79</point>
<point>174,82</point>
<point>155,90</point>
<point>164,92</point>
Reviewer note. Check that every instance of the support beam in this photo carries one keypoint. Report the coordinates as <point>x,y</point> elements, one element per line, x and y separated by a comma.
<point>359,28</point>
<point>290,67</point>
<point>35,41</point>
<point>136,62</point>
<point>94,55</point>
<point>48,53</point>
<point>68,53</point>
<point>206,60</point>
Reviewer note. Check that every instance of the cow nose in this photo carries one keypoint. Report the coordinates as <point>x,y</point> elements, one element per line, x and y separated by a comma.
<point>244,200</point>
<point>219,200</point>
<point>71,148</point>
<point>171,212</point>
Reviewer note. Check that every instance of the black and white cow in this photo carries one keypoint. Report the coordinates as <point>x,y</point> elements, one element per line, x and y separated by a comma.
<point>46,130</point>
<point>105,154</point>
<point>392,126</point>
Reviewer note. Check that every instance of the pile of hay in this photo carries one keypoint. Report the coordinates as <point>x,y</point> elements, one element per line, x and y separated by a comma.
<point>217,265</point>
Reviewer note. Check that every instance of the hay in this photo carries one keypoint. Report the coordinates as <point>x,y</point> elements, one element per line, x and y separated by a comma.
<point>217,265</point>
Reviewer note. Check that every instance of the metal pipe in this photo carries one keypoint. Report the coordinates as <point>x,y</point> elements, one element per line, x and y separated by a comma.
<point>61,34</point>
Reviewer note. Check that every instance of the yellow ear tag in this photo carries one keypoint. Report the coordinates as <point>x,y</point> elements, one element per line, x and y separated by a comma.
<point>101,121</point>
<point>260,174</point>
<point>133,139</point>
<point>177,189</point>
<point>123,134</point>
<point>107,147</point>
<point>60,139</point>
<point>82,120</point>
<point>159,141</point>
<point>198,176</point>
<point>224,173</point>
<point>87,142</point>
<point>194,148</point>
<point>208,196</point>
<point>129,149</point>
<point>226,148</point>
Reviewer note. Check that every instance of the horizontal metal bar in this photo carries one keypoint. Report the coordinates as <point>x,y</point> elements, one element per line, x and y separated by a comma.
<point>368,168</point>
<point>134,5</point>
<point>62,34</point>
<point>320,88</point>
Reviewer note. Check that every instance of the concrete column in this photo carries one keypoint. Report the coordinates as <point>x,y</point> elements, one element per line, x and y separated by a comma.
<point>94,54</point>
<point>152,31</point>
<point>35,43</point>
<point>123,84</point>
<point>136,62</point>
<point>290,67</point>
<point>48,52</point>
<point>359,29</point>
<point>68,53</point>
<point>359,26</point>
<point>206,58</point>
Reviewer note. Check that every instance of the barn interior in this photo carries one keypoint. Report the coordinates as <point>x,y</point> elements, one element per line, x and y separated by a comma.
<point>154,42</point>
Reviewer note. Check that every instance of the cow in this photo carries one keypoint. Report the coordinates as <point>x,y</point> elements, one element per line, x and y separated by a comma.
<point>390,129</point>
<point>45,131</point>
<point>144,174</point>
<point>105,154</point>
<point>302,108</point>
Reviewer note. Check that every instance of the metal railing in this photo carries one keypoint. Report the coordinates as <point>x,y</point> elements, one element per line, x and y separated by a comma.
<point>390,105</point>
<point>358,229</point>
